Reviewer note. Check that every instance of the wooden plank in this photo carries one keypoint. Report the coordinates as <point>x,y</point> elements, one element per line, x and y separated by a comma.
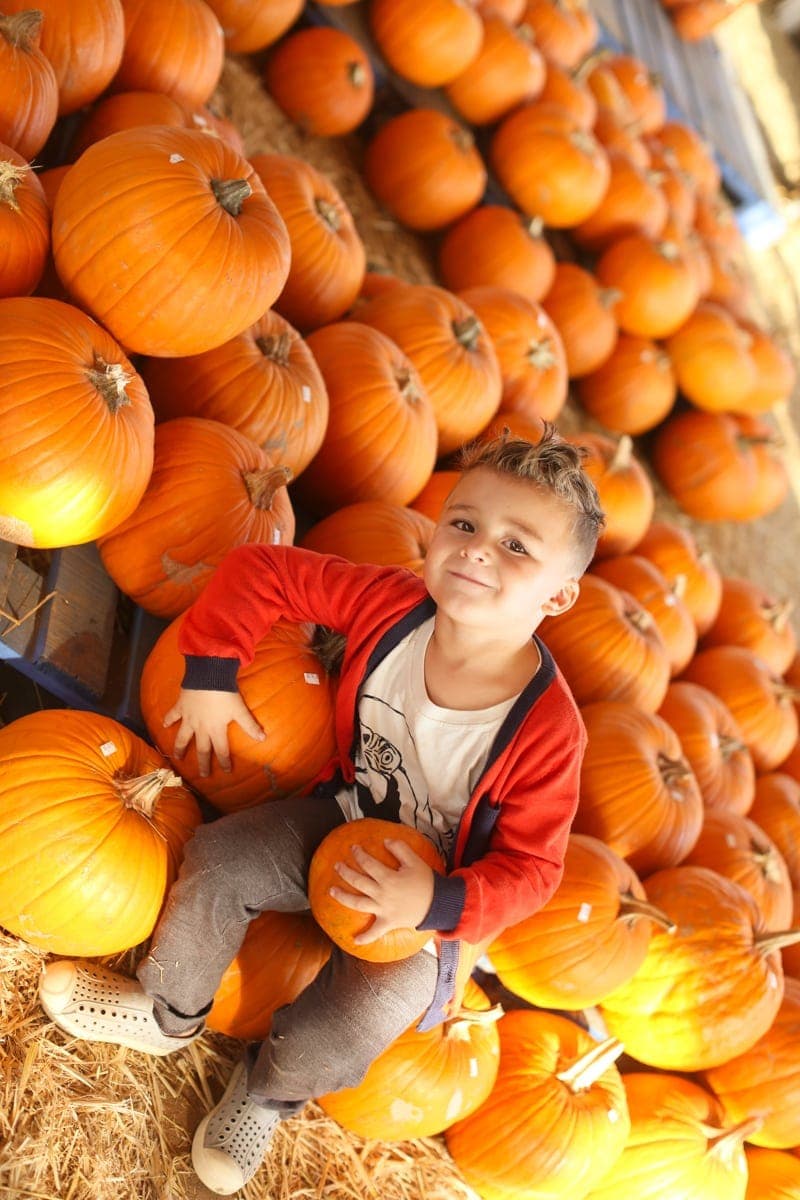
<point>80,622</point>
<point>21,611</point>
<point>8,556</point>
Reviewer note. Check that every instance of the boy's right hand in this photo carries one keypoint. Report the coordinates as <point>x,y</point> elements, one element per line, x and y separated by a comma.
<point>204,715</point>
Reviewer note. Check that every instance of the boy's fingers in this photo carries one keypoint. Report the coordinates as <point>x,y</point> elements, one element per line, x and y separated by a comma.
<point>171,717</point>
<point>222,750</point>
<point>249,725</point>
<point>182,739</point>
<point>203,754</point>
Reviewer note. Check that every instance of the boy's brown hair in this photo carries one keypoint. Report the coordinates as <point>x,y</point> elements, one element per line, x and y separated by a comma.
<point>552,464</point>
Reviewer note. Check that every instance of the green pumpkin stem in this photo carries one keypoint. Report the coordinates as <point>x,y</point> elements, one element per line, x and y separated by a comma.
<point>231,194</point>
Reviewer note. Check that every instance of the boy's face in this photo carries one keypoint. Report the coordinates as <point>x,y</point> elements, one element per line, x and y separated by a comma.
<point>502,555</point>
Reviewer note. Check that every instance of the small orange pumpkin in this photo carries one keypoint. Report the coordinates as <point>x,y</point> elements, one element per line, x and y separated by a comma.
<point>675,552</point>
<point>713,746</point>
<point>626,493</point>
<point>508,70</point>
<point>711,357</point>
<point>635,574</point>
<point>26,72</point>
<point>24,225</point>
<point>177,49</point>
<point>373,531</point>
<point>250,25</point>
<point>429,46</point>
<point>658,290</point>
<point>496,246</point>
<point>751,616</point>
<point>323,80</point>
<point>583,313</point>
<point>633,390</point>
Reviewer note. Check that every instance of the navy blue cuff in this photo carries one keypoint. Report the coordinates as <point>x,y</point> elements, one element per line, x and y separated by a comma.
<point>210,674</point>
<point>449,895</point>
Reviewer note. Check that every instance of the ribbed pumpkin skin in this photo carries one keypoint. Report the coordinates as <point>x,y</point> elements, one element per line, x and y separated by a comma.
<point>633,390</point>
<point>126,110</point>
<point>250,25</point>
<point>712,744</point>
<point>659,291</point>
<point>83,40</point>
<point>374,531</point>
<point>29,99</point>
<point>494,245</point>
<point>72,470</point>
<point>177,48</point>
<point>24,225</point>
<point>343,924</point>
<point>635,574</point>
<point>509,69</point>
<point>706,992</point>
<point>582,943</point>
<point>322,79</point>
<point>772,1174</point>
<point>430,500</point>
<point>281,954</point>
<point>289,693</point>
<point>215,273</point>
<point>626,493</point>
<point>198,505</point>
<point>752,617</point>
<point>672,1149</point>
<point>776,810</point>
<point>428,45</point>
<point>423,1081</point>
<point>80,872</point>
<point>264,382</point>
<point>675,552</point>
<point>534,1137</point>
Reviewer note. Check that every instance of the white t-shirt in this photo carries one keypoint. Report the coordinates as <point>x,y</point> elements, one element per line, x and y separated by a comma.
<point>416,762</point>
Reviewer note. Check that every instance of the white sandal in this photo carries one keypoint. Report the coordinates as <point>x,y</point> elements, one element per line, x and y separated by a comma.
<point>231,1141</point>
<point>90,1002</point>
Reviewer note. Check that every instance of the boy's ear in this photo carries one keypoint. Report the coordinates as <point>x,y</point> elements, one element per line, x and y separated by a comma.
<point>564,598</point>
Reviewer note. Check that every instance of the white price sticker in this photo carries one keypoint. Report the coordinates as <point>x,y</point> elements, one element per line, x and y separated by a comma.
<point>305,392</point>
<point>107,749</point>
<point>584,912</point>
<point>310,677</point>
<point>176,158</point>
<point>276,537</point>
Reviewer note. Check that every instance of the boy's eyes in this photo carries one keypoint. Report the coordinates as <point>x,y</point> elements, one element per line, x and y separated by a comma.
<point>465,526</point>
<point>516,547</point>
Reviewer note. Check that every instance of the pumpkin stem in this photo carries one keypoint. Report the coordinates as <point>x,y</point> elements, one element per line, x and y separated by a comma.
<point>608,297</point>
<point>679,585</point>
<point>541,354</point>
<point>767,942</point>
<point>407,385</point>
<point>778,614</point>
<point>11,176</point>
<point>329,647</point>
<point>110,379</point>
<point>671,251</point>
<point>584,141</point>
<point>459,1026</point>
<point>640,618</point>
<point>729,745</point>
<point>142,792</point>
<point>231,194</point>
<point>461,138</point>
<point>262,485</point>
<point>467,331</point>
<point>533,226</point>
<point>768,861</point>
<point>631,907</point>
<point>276,347</point>
<point>673,770</point>
<point>785,693</point>
<point>329,213</point>
<point>623,454</point>
<point>590,1066</point>
<point>22,29</point>
<point>356,75</point>
<point>726,1142</point>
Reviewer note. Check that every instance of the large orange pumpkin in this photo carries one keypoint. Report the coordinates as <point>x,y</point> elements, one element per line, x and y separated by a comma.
<point>429,46</point>
<point>177,48</point>
<point>713,746</point>
<point>188,297</point>
<point>211,489</point>
<point>707,991</point>
<point>373,531</point>
<point>498,247</point>
<point>569,90</point>
<point>425,1081</point>
<point>343,924</point>
<point>72,470</point>
<point>751,616</point>
<point>556,1119</point>
<point>508,70</point>
<point>92,827</point>
<point>29,99</point>
<point>635,574</point>
<point>289,689</point>
<point>264,382</point>
<point>677,555</point>
<point>24,225</point>
<point>589,937</point>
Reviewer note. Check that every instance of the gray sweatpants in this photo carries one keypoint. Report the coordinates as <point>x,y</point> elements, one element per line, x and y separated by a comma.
<point>233,869</point>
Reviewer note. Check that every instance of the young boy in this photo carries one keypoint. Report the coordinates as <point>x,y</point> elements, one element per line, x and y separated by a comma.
<point>450,715</point>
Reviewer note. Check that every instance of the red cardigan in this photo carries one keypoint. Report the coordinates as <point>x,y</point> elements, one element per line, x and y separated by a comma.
<point>507,858</point>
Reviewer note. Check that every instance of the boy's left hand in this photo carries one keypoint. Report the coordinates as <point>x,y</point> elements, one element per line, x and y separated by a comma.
<point>398,896</point>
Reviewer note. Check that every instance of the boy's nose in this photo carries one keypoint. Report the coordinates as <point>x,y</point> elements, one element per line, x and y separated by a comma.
<point>476,551</point>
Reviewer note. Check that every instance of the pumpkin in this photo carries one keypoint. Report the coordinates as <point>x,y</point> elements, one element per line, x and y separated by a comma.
<point>288,687</point>
<point>92,827</point>
<point>208,120</point>
<point>752,617</point>
<point>373,531</point>
<point>530,353</point>
<point>380,443</point>
<point>730,283</point>
<point>772,1174</point>
<point>71,471</point>
<point>83,41</point>
<point>264,382</point>
<point>626,493</point>
<point>711,357</point>
<point>658,290</point>
<point>764,1080</point>
<point>423,1082</point>
<point>680,1144</point>
<point>633,390</point>
<point>424,167</point>
<point>126,110</point>
<point>638,793</point>
<point>558,32</point>
<point>637,575</point>
<point>642,90</point>
<point>509,10</point>
<point>633,203</point>
<point>681,198</point>
<point>24,225</point>
<point>759,701</point>
<point>675,552</point>
<point>569,90</point>
<point>775,371</point>
<point>211,489</point>
<point>498,247</point>
<point>429,46</point>
<point>177,49</point>
<point>608,647</point>
<point>613,133</point>
<point>508,70</point>
<point>430,500</point>
<point>776,810</point>
<point>29,101</point>
<point>583,313</point>
<point>720,466</point>
<point>250,25</point>
<point>450,349</point>
<point>555,1120</point>
<point>589,937</point>
<point>322,79</point>
<point>707,991</point>
<point>692,153</point>
<point>188,297</point>
<point>715,220</point>
<point>550,166</point>
<point>712,745</point>
<point>327,255</point>
<point>343,924</point>
<point>281,954</point>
